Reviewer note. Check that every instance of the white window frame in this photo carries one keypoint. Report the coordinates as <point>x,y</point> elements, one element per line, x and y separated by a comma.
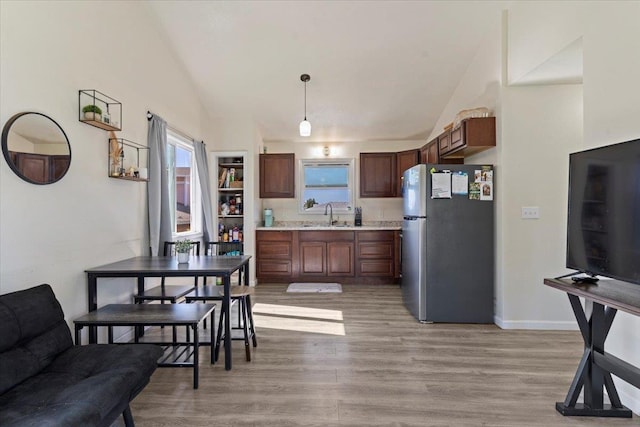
<point>176,140</point>
<point>320,209</point>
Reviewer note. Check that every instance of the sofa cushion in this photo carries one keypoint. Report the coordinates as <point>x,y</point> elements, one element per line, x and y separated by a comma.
<point>82,385</point>
<point>138,361</point>
<point>32,333</point>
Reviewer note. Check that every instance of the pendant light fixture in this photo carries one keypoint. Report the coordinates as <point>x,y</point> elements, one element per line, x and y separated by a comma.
<point>305,126</point>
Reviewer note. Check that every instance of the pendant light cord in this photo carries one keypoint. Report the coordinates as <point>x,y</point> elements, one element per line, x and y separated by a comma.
<point>305,100</point>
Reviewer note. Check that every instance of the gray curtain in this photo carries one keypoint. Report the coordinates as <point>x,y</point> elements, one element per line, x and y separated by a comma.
<point>159,209</point>
<point>205,187</point>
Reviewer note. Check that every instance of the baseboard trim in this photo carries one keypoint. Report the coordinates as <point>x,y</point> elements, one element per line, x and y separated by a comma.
<point>536,324</point>
<point>629,401</point>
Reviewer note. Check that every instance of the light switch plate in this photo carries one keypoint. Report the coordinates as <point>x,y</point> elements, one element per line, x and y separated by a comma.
<point>530,212</point>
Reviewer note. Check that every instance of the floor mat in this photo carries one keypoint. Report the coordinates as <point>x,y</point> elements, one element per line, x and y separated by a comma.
<point>314,287</point>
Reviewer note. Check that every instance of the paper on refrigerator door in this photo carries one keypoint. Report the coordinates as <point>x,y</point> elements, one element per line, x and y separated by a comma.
<point>441,185</point>
<point>460,183</point>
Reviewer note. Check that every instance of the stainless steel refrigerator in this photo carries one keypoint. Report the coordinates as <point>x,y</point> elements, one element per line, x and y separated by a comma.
<point>448,243</point>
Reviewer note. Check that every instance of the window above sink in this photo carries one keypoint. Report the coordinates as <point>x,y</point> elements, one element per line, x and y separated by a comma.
<point>323,182</point>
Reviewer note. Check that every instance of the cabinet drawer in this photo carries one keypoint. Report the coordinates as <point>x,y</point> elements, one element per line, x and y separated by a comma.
<point>376,249</point>
<point>274,268</point>
<point>274,235</point>
<point>375,235</point>
<point>279,250</point>
<point>326,236</point>
<point>376,267</point>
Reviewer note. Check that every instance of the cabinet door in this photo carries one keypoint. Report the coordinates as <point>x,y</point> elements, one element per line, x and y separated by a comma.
<point>58,166</point>
<point>457,137</point>
<point>313,258</point>
<point>432,155</point>
<point>34,166</point>
<point>424,153</point>
<point>378,174</point>
<point>429,152</point>
<point>405,160</point>
<point>277,176</point>
<point>340,259</point>
<point>444,142</point>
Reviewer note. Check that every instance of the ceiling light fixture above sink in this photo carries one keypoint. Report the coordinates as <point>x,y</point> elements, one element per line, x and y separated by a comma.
<point>305,126</point>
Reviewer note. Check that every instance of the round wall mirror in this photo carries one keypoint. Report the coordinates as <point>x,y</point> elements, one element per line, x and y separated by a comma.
<point>36,148</point>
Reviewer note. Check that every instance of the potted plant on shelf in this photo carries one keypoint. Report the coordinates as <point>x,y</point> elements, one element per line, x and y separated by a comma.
<point>92,112</point>
<point>183,248</point>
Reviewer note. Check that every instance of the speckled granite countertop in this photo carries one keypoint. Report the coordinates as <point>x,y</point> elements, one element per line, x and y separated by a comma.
<point>341,225</point>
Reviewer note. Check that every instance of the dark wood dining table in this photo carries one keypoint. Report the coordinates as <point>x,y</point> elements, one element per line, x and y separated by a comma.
<point>158,266</point>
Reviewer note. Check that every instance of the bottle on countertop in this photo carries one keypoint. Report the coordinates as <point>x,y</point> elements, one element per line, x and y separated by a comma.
<point>358,218</point>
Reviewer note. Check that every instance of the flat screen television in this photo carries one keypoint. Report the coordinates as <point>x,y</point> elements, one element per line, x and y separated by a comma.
<point>603,229</point>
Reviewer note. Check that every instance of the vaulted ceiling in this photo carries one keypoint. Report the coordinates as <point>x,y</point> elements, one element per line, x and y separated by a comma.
<point>380,70</point>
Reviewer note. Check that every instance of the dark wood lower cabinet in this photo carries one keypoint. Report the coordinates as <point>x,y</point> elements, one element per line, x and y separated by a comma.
<point>274,259</point>
<point>313,259</point>
<point>370,256</point>
<point>327,253</point>
<point>377,254</point>
<point>340,259</point>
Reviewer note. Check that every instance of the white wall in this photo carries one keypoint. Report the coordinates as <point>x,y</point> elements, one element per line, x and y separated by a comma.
<point>373,209</point>
<point>50,50</point>
<point>611,42</point>
<point>541,126</point>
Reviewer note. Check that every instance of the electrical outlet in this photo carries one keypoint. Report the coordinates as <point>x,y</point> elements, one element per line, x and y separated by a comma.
<point>530,212</point>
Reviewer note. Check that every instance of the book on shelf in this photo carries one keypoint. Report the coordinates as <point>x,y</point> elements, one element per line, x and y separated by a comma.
<point>223,177</point>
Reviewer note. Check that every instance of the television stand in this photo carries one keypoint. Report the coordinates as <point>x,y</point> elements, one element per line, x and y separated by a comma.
<point>602,302</point>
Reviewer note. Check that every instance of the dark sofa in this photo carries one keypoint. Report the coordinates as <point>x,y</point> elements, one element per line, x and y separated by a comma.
<point>47,381</point>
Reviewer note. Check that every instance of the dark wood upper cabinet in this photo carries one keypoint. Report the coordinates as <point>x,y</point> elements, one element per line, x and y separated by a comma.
<point>406,159</point>
<point>381,173</point>
<point>470,137</point>
<point>378,174</point>
<point>429,154</point>
<point>277,176</point>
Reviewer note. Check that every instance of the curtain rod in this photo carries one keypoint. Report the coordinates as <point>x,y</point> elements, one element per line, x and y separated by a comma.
<point>174,129</point>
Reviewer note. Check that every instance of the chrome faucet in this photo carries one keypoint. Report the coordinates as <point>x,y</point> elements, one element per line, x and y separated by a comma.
<point>330,208</point>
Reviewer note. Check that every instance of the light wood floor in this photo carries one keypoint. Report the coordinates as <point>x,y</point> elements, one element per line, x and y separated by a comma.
<point>386,370</point>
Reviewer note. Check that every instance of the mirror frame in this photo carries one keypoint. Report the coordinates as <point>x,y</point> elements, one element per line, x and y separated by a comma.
<point>5,147</point>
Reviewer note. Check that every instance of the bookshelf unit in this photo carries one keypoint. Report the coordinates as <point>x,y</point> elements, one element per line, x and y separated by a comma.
<point>230,203</point>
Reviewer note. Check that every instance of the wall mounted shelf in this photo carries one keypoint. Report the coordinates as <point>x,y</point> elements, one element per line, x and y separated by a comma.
<point>128,160</point>
<point>99,110</point>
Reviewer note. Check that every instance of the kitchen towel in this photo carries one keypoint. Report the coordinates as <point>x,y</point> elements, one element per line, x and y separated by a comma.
<point>315,287</point>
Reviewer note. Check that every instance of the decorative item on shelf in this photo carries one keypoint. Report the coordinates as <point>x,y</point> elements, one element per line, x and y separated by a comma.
<point>471,113</point>
<point>92,112</point>
<point>309,203</point>
<point>106,117</point>
<point>183,247</point>
<point>122,170</point>
<point>115,151</point>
